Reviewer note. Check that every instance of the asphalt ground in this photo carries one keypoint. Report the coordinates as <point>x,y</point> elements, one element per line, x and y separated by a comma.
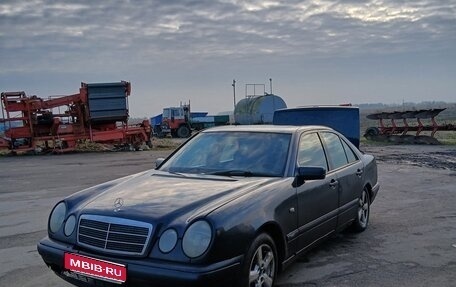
<point>411,240</point>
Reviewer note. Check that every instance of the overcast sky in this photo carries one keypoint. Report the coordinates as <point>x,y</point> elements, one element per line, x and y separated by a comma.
<point>316,52</point>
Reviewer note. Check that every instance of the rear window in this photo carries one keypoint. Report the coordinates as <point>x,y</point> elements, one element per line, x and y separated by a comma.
<point>336,152</point>
<point>351,156</point>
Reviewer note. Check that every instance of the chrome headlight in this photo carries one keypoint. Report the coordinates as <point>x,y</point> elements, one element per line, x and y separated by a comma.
<point>70,224</point>
<point>197,239</point>
<point>167,241</point>
<point>57,217</point>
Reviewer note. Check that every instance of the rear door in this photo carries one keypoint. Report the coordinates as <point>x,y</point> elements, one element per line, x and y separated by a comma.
<point>348,169</point>
<point>317,199</point>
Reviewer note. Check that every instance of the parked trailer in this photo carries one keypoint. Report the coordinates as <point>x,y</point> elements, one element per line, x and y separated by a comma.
<point>200,123</point>
<point>344,119</point>
<point>98,113</point>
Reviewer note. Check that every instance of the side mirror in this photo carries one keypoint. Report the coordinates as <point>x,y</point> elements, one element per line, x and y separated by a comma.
<point>312,172</point>
<point>308,173</point>
<point>159,161</point>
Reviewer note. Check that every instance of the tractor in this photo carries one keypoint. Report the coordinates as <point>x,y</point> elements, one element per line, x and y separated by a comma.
<point>176,122</point>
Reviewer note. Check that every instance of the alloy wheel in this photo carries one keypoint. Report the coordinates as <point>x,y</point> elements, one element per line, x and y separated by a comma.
<point>262,267</point>
<point>363,209</point>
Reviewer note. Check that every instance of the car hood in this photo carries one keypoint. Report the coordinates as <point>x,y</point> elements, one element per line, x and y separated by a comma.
<point>161,196</point>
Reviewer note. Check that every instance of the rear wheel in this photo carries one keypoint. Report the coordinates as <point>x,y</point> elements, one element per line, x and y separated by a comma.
<point>362,216</point>
<point>183,132</point>
<point>260,265</point>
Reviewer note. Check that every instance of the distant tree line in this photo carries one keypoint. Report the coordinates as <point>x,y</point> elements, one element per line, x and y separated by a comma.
<point>407,105</point>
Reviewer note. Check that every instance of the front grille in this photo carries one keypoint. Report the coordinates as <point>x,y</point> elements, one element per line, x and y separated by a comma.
<point>114,235</point>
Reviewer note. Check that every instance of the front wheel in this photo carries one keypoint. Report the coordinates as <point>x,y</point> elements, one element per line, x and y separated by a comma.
<point>362,216</point>
<point>260,264</point>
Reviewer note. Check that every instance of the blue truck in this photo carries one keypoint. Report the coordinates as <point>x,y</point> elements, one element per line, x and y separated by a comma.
<point>344,119</point>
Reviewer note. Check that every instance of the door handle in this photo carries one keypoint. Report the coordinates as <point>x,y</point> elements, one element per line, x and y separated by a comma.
<point>333,183</point>
<point>359,172</point>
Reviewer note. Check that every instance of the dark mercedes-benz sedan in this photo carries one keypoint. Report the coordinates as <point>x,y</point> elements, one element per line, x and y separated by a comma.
<point>231,207</point>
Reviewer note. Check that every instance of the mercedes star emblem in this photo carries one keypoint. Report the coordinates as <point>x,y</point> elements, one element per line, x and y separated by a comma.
<point>118,203</point>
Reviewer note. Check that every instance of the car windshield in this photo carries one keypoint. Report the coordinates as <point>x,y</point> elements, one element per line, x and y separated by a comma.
<point>232,154</point>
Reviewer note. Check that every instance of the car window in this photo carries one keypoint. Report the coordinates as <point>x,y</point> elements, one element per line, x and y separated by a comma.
<point>311,152</point>
<point>336,152</point>
<point>351,156</point>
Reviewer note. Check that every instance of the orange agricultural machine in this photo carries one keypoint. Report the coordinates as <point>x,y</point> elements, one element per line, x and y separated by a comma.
<point>98,113</point>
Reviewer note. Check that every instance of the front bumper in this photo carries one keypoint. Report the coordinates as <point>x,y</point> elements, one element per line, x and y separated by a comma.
<point>143,272</point>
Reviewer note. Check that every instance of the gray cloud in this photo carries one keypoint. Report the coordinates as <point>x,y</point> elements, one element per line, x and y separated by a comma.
<point>168,36</point>
<point>173,30</point>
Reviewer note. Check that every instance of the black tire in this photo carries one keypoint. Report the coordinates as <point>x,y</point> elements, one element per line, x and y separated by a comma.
<point>260,264</point>
<point>363,213</point>
<point>183,132</point>
<point>372,131</point>
<point>158,131</point>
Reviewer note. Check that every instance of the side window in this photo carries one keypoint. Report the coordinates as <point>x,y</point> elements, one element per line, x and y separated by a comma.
<point>311,152</point>
<point>336,152</point>
<point>351,156</point>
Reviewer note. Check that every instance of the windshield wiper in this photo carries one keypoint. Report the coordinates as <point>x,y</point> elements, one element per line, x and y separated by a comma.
<point>236,172</point>
<point>233,172</point>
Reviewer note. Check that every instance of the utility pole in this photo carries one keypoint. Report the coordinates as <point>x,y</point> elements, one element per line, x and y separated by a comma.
<point>270,84</point>
<point>234,93</point>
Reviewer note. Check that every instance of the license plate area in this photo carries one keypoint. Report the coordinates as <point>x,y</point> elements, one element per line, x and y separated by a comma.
<point>96,268</point>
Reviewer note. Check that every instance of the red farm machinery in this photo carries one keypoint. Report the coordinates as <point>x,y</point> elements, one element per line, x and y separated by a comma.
<point>98,113</point>
<point>397,132</point>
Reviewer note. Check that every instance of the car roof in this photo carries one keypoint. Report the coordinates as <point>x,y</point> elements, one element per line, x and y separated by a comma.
<point>266,128</point>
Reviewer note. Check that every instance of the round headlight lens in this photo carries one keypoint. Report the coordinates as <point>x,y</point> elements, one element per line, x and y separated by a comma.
<point>168,240</point>
<point>69,225</point>
<point>57,217</point>
<point>197,239</point>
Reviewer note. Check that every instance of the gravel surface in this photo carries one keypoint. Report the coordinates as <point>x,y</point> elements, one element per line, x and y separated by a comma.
<point>411,240</point>
<point>438,157</point>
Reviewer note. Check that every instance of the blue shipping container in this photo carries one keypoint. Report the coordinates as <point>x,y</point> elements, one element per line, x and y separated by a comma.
<point>155,121</point>
<point>341,118</point>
